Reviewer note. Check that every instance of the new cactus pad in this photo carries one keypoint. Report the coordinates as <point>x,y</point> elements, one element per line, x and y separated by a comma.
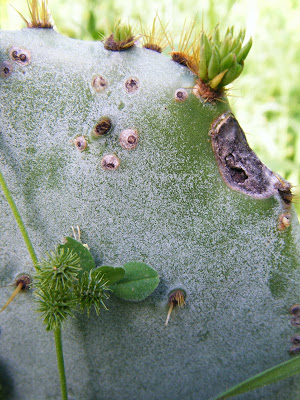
<point>123,144</point>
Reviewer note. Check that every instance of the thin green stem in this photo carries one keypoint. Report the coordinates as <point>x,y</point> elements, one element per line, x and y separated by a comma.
<point>18,219</point>
<point>60,363</point>
<point>57,331</point>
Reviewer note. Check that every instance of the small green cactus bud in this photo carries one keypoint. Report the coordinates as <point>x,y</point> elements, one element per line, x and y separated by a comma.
<point>227,61</point>
<point>242,54</point>
<point>225,46</point>
<point>214,64</point>
<point>202,73</point>
<point>121,37</point>
<point>220,62</point>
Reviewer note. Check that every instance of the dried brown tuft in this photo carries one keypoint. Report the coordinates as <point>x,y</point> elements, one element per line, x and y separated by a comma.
<point>203,90</point>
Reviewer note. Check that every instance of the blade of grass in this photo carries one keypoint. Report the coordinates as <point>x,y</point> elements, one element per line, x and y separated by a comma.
<point>281,371</point>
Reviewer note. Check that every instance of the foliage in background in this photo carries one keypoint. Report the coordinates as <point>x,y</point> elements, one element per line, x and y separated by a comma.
<point>265,100</point>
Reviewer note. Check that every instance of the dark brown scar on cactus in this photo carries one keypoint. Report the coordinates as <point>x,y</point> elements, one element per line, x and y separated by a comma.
<point>204,91</point>
<point>129,138</point>
<point>295,349</point>
<point>102,127</point>
<point>110,162</point>
<point>99,83</point>
<point>239,166</point>
<point>284,221</point>
<point>132,85</point>
<point>21,283</point>
<point>21,56</point>
<point>175,299</point>
<point>181,95</point>
<point>295,310</point>
<point>5,69</point>
<point>80,143</point>
<point>295,339</point>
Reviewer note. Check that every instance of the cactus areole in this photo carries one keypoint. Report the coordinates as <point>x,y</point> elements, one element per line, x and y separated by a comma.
<point>119,143</point>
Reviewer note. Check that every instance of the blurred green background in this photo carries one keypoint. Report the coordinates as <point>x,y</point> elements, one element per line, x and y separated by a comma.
<point>265,99</point>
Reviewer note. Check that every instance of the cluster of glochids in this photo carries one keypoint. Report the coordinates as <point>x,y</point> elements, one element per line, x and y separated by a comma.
<point>39,14</point>
<point>295,321</point>
<point>128,139</point>
<point>216,62</point>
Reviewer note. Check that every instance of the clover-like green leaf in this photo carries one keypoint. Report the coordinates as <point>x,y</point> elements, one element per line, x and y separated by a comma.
<point>112,275</point>
<point>139,282</point>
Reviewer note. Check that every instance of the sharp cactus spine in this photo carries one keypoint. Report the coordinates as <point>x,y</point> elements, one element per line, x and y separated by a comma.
<point>155,39</point>
<point>39,15</point>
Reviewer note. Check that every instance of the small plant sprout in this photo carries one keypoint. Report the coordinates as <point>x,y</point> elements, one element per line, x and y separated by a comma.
<point>39,14</point>
<point>121,37</point>
<point>156,39</point>
<point>219,62</point>
<point>176,299</point>
<point>21,283</point>
<point>77,236</point>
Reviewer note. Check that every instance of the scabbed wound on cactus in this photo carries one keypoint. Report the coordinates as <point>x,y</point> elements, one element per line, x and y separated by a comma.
<point>177,201</point>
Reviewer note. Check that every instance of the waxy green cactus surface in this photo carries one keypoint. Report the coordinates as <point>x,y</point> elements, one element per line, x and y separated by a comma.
<point>169,181</point>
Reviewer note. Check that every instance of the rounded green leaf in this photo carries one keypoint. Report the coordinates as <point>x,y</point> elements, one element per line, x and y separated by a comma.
<point>112,274</point>
<point>139,282</point>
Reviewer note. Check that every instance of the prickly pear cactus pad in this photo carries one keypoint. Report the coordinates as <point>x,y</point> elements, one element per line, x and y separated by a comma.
<point>119,143</point>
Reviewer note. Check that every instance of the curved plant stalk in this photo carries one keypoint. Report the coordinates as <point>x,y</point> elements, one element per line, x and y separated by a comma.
<point>18,219</point>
